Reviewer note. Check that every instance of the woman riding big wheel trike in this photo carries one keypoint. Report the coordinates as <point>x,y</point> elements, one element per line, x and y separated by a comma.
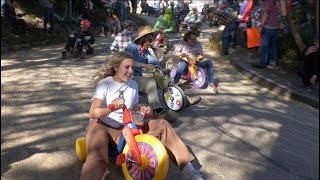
<point>141,156</point>
<point>195,73</point>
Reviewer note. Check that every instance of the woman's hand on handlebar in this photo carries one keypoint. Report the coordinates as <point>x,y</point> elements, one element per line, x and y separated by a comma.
<point>149,67</point>
<point>116,104</point>
<point>147,110</point>
<point>183,55</point>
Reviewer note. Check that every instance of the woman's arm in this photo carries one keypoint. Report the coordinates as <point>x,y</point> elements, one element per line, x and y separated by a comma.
<point>96,111</point>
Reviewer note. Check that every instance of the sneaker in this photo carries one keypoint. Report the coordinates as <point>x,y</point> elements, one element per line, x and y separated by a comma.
<point>223,54</point>
<point>102,35</point>
<point>113,35</point>
<point>193,100</point>
<point>272,66</point>
<point>213,88</point>
<point>64,55</point>
<point>194,176</point>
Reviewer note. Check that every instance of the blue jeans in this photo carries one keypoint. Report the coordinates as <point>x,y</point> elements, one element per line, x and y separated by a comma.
<point>205,64</point>
<point>226,37</point>
<point>122,11</point>
<point>268,47</point>
<point>48,16</point>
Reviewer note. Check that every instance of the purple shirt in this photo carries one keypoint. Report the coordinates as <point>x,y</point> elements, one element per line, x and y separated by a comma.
<point>184,47</point>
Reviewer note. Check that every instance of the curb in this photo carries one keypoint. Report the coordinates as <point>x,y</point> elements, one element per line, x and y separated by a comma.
<point>272,85</point>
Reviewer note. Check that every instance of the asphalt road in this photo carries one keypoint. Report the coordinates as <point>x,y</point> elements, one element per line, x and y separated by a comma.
<point>242,133</point>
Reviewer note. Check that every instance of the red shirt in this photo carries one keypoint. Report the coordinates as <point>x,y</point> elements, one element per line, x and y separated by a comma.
<point>272,9</point>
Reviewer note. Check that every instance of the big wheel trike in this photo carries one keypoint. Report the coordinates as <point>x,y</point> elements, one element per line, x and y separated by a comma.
<point>195,73</point>
<point>173,95</point>
<point>141,156</point>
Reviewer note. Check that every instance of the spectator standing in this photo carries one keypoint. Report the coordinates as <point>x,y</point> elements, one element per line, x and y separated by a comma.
<point>231,23</point>
<point>122,10</point>
<point>48,14</point>
<point>134,4</point>
<point>269,26</point>
<point>310,68</point>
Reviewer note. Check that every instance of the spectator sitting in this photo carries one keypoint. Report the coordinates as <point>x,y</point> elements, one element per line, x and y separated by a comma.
<point>10,14</point>
<point>310,67</point>
<point>192,20</point>
<point>124,38</point>
<point>112,24</point>
<point>144,6</point>
<point>86,37</point>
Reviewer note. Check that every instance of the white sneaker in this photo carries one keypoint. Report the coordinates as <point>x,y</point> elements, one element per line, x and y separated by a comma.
<point>102,35</point>
<point>113,35</point>
<point>194,176</point>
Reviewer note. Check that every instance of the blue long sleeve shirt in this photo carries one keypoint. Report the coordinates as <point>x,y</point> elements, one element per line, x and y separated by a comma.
<point>145,58</point>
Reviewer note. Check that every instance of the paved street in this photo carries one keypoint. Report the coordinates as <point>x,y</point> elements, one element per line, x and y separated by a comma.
<point>242,133</point>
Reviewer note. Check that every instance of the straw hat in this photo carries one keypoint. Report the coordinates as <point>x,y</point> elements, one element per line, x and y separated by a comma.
<point>142,31</point>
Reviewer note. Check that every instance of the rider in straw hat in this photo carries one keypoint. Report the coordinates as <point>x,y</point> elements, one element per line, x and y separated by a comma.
<point>143,59</point>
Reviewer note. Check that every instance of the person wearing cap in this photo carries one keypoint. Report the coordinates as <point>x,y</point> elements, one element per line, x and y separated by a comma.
<point>310,66</point>
<point>84,34</point>
<point>163,26</point>
<point>143,59</point>
<point>124,38</point>
<point>231,23</point>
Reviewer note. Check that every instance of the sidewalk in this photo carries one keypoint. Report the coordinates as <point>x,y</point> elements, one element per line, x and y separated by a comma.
<point>280,81</point>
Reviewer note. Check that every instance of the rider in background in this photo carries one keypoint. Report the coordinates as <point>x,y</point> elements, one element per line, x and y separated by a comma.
<point>193,19</point>
<point>143,59</point>
<point>106,124</point>
<point>112,23</point>
<point>124,38</point>
<point>163,26</point>
<point>84,34</point>
<point>189,46</point>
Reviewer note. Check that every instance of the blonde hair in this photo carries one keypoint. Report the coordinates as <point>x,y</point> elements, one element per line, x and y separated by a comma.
<point>109,68</point>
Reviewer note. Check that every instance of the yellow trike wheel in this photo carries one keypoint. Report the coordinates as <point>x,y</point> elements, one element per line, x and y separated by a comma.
<point>155,161</point>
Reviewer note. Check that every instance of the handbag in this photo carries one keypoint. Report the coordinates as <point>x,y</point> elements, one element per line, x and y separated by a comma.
<point>253,37</point>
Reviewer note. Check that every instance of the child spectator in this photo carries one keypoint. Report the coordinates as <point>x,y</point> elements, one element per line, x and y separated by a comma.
<point>112,24</point>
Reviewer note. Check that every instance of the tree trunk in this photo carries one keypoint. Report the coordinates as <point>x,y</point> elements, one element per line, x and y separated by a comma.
<point>295,31</point>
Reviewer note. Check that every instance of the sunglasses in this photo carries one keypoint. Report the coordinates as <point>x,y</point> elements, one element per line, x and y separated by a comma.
<point>192,39</point>
<point>150,39</point>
